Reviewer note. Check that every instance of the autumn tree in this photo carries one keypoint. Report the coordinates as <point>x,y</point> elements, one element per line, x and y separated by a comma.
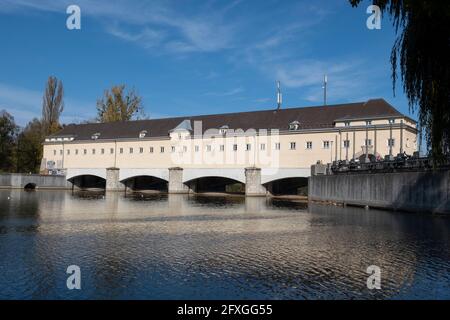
<point>8,133</point>
<point>53,105</point>
<point>421,52</point>
<point>29,147</point>
<point>118,105</point>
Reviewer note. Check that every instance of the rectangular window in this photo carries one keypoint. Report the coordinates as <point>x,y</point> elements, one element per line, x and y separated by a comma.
<point>277,146</point>
<point>131,150</point>
<point>368,122</point>
<point>391,121</point>
<point>76,151</point>
<point>54,152</point>
<point>197,148</point>
<point>391,142</point>
<point>151,149</point>
<point>208,148</point>
<point>68,152</point>
<point>85,151</point>
<point>184,148</point>
<point>141,150</point>
<point>173,148</point>
<point>309,145</point>
<point>111,150</point>
<point>93,151</point>
<point>222,147</point>
<point>121,150</point>
<point>60,152</point>
<point>263,146</point>
<point>235,147</point>
<point>103,151</point>
<point>346,144</point>
<point>248,147</point>
<point>326,144</point>
<point>368,142</point>
<point>293,145</point>
<point>162,149</point>
<point>347,123</point>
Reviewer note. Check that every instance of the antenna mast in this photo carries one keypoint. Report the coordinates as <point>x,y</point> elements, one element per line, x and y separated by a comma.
<point>325,82</point>
<point>279,96</point>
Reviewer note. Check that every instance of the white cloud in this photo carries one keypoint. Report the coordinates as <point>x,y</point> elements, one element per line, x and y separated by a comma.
<point>346,80</point>
<point>228,93</point>
<point>147,37</point>
<point>147,23</point>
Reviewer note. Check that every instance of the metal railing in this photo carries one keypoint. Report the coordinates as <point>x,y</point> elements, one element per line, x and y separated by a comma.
<point>399,163</point>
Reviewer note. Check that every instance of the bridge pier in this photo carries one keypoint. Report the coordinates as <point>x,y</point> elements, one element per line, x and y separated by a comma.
<point>112,180</point>
<point>176,185</point>
<point>253,186</point>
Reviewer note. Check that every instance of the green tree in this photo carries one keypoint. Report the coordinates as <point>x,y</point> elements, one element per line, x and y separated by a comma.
<point>52,105</point>
<point>8,134</point>
<point>421,52</point>
<point>29,147</point>
<point>117,105</point>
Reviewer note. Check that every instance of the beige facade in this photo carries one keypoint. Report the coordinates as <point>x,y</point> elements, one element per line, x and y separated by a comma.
<point>253,148</point>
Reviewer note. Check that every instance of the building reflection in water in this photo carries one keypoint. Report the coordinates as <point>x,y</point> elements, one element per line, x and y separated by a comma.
<point>197,247</point>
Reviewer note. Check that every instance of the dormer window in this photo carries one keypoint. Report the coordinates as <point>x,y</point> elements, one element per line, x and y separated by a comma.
<point>95,136</point>
<point>293,126</point>
<point>223,130</point>
<point>142,134</point>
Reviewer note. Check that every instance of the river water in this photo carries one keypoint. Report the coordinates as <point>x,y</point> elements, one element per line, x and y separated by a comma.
<point>191,247</point>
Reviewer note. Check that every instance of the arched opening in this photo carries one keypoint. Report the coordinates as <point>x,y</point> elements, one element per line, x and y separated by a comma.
<point>216,185</point>
<point>30,186</point>
<point>145,184</point>
<point>288,187</point>
<point>88,182</point>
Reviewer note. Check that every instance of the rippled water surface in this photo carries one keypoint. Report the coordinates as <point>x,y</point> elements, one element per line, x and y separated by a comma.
<point>180,247</point>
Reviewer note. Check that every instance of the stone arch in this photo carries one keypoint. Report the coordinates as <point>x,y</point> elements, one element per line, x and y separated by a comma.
<point>88,181</point>
<point>216,184</point>
<point>125,174</point>
<point>145,183</point>
<point>274,174</point>
<point>288,186</point>
<point>30,186</point>
<point>72,173</point>
<point>232,174</point>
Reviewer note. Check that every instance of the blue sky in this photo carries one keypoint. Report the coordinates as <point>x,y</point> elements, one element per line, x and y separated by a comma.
<point>192,57</point>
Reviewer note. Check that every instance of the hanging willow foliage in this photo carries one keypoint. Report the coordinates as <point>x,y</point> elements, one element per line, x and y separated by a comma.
<point>422,54</point>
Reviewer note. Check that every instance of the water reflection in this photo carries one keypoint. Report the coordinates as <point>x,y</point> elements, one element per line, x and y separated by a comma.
<point>154,246</point>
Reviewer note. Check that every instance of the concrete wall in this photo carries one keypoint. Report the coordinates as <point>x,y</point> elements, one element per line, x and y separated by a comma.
<point>408,191</point>
<point>41,181</point>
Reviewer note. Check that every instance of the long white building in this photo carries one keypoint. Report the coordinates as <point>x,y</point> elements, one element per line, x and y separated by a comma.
<point>258,149</point>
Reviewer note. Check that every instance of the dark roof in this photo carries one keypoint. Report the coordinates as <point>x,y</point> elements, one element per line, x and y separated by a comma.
<point>308,117</point>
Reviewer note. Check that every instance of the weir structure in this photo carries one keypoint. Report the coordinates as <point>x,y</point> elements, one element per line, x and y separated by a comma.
<point>249,181</point>
<point>258,153</point>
